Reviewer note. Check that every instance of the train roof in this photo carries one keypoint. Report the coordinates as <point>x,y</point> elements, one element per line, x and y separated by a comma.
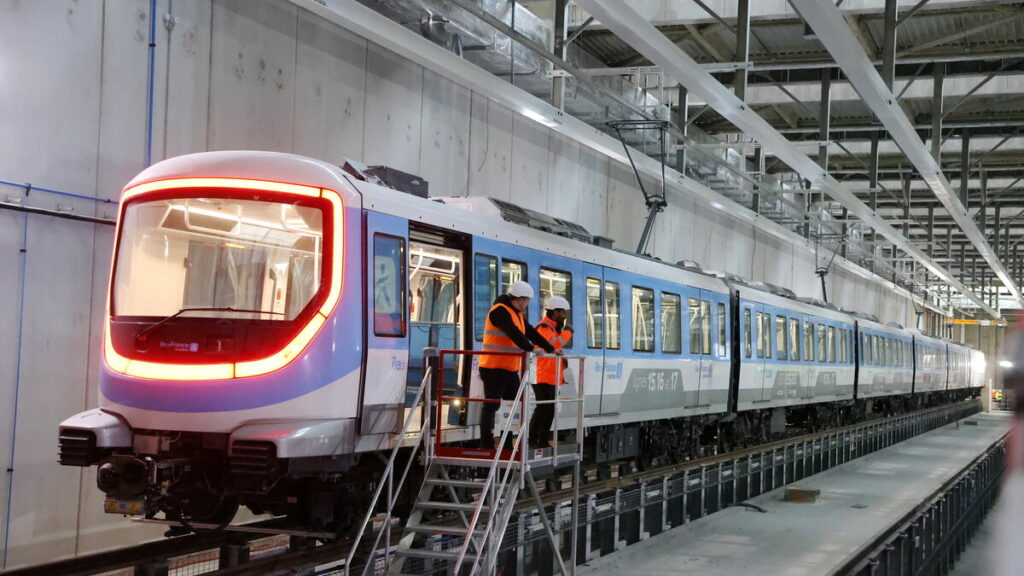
<point>253,164</point>
<point>381,199</point>
<point>296,169</point>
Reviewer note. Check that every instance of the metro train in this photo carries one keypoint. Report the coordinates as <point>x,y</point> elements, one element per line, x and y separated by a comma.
<point>267,317</point>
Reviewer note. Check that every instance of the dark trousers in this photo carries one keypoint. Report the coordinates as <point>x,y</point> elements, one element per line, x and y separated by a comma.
<point>498,385</point>
<point>543,414</point>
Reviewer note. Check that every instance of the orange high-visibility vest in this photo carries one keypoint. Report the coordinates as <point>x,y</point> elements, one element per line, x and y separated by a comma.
<point>495,340</point>
<point>547,368</point>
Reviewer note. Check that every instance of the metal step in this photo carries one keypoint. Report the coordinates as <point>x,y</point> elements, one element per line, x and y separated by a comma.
<point>449,555</point>
<point>455,483</point>
<point>446,530</point>
<point>452,506</point>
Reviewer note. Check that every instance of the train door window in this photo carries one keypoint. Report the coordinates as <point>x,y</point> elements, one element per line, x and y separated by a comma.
<point>780,337</point>
<point>705,327</point>
<point>611,306</point>
<point>766,334</point>
<point>643,319</point>
<point>389,280</point>
<point>595,314</point>
<point>556,283</point>
<point>821,343</point>
<point>512,271</point>
<point>760,339</point>
<point>831,344</point>
<point>721,330</point>
<point>808,341</point>
<point>671,340</point>
<point>794,339</point>
<point>485,290</point>
<point>695,345</point>
<point>747,337</point>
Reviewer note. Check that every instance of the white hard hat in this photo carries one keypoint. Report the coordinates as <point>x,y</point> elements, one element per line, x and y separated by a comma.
<point>556,303</point>
<point>520,290</point>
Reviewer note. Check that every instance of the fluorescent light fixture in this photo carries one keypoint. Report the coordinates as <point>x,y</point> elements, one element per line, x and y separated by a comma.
<point>1005,364</point>
<point>538,117</point>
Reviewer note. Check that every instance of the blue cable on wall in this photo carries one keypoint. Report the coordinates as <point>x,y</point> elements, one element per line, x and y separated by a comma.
<point>30,187</point>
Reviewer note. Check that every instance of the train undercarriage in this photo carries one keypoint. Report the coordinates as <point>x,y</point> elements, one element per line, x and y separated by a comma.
<point>195,479</point>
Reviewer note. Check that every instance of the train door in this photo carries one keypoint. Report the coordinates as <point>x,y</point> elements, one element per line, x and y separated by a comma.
<point>387,331</point>
<point>593,323</point>
<point>750,373</point>
<point>809,377</point>
<point>616,316</point>
<point>713,390</point>
<point>438,313</point>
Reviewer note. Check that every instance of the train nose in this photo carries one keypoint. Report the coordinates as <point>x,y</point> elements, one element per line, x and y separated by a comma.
<point>122,476</point>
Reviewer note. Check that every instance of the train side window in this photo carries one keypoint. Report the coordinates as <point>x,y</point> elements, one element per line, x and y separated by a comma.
<point>876,350</point>
<point>556,283</point>
<point>595,314</point>
<point>747,337</point>
<point>821,343</point>
<point>721,330</point>
<point>705,327</point>
<point>831,344</point>
<point>643,319</point>
<point>865,347</point>
<point>485,290</point>
<point>611,305</point>
<point>808,341</point>
<point>794,339</point>
<point>512,271</point>
<point>389,280</point>
<point>780,337</point>
<point>671,341</point>
<point>694,309</point>
<point>842,346</point>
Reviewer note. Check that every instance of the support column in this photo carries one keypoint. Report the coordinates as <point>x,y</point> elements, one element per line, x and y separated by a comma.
<point>931,231</point>
<point>742,47</point>
<point>558,82</point>
<point>995,233</point>
<point>873,186</point>
<point>825,117</point>
<point>888,71</point>
<point>939,74</point>
<point>965,159</point>
<point>907,178</point>
<point>759,167</point>
<point>681,119</point>
<point>983,210</point>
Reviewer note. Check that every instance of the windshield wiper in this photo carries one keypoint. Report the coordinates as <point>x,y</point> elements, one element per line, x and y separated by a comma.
<point>141,335</point>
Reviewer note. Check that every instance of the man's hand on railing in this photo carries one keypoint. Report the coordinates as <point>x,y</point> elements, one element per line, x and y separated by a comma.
<point>559,353</point>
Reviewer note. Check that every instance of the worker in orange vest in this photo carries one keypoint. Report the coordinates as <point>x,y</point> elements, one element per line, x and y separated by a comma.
<point>550,371</point>
<point>505,330</point>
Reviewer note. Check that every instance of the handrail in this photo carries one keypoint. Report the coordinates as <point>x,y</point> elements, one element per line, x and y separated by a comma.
<point>490,488</point>
<point>422,393</point>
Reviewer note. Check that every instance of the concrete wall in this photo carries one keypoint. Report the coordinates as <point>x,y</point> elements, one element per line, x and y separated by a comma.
<point>260,75</point>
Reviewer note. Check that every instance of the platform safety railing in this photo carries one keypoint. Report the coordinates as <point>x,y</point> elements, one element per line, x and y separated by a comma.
<point>423,394</point>
<point>503,482</point>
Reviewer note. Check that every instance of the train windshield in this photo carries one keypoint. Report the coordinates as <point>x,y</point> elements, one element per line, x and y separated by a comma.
<point>218,258</point>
